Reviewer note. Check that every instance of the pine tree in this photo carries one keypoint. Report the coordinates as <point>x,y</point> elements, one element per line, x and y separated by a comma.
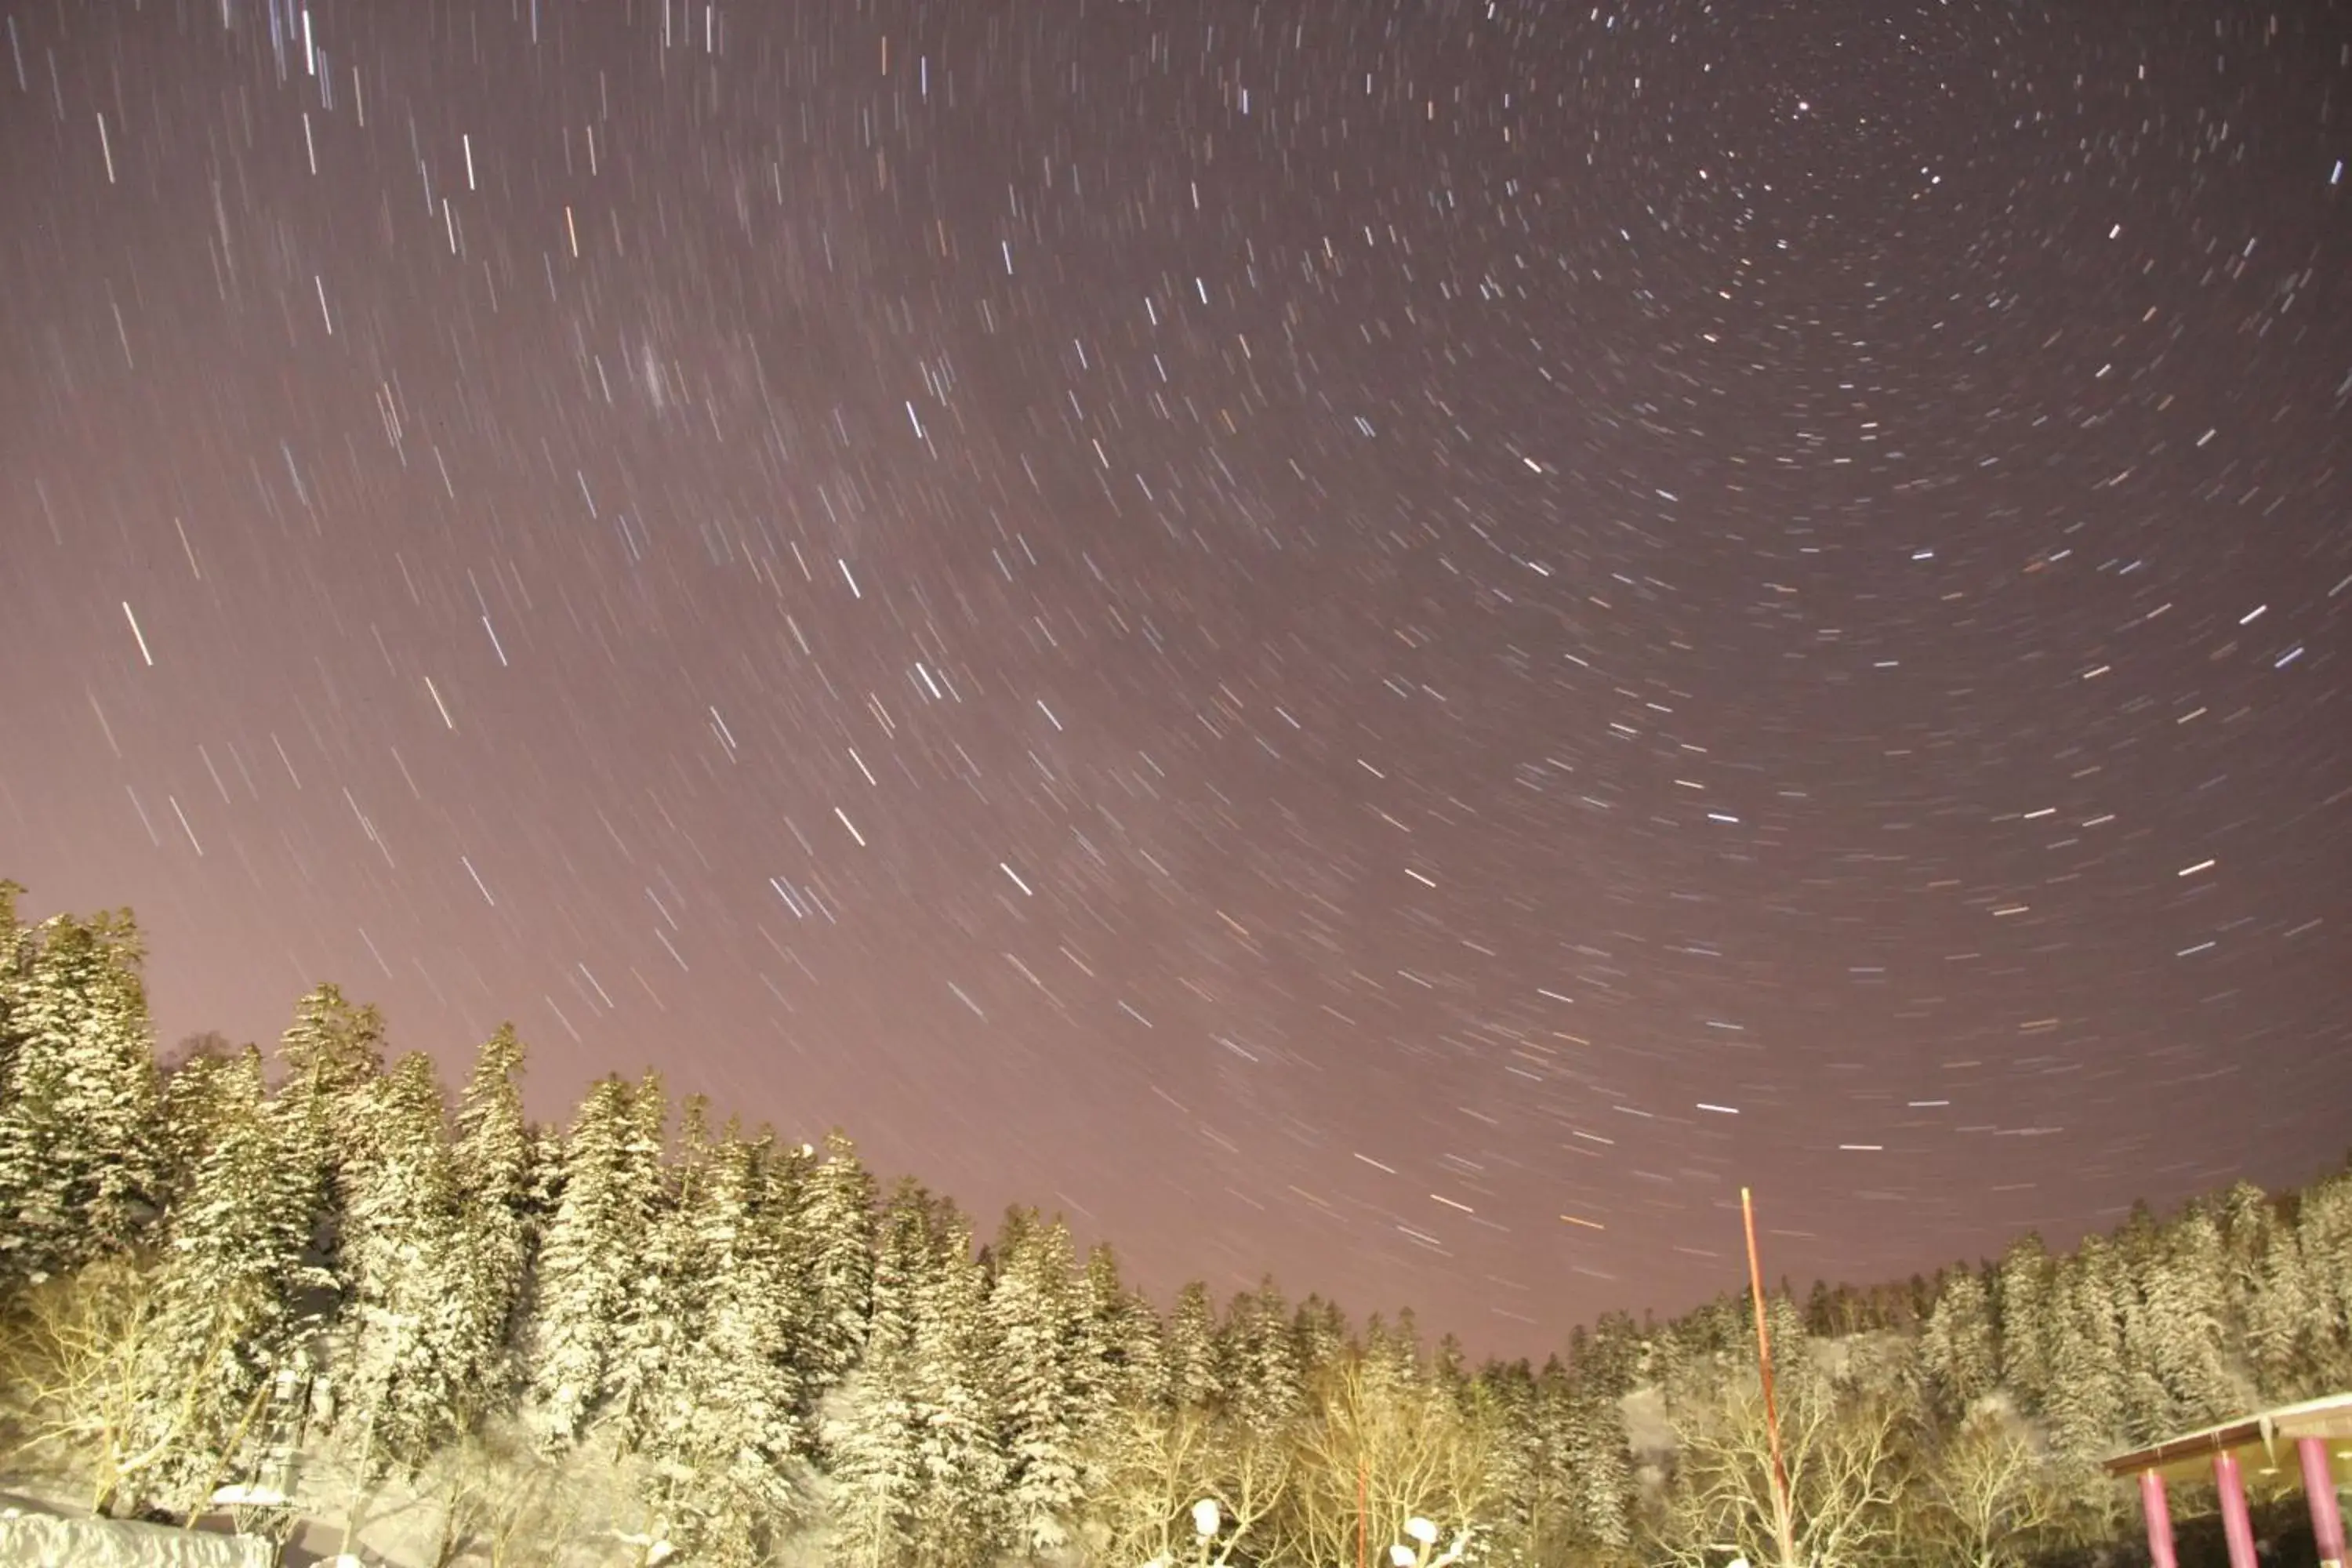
<point>833,1243</point>
<point>231,1263</point>
<point>588,1265</point>
<point>1116,1369</point>
<point>1599,1472</point>
<point>399,1346</point>
<point>183,1112</point>
<point>2280,1318</point>
<point>333,1058</point>
<point>649,1330</point>
<point>731,1430</point>
<point>872,1433</point>
<point>78,1165</point>
<point>2085,1404</point>
<point>491,1160</point>
<point>960,1516</point>
<point>2323,1229</point>
<point>1258,1360</point>
<point>1391,1356</point>
<point>16,947</point>
<point>1121,1363</point>
<point>1508,1408</point>
<point>1194,1383</point>
<point>1957,1344</point>
<point>2028,1321</point>
<point>1032,1324</point>
<point>1319,1330</point>
<point>2186,1291</point>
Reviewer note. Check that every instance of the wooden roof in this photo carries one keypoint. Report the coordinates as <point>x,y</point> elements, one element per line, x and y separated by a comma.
<point>2262,1441</point>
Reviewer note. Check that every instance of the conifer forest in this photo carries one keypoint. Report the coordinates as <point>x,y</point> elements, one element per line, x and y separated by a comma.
<point>319,1283</point>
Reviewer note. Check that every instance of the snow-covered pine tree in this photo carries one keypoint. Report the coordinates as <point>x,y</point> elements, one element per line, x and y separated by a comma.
<point>184,1111</point>
<point>832,1244</point>
<point>732,1433</point>
<point>1117,1369</point>
<point>1258,1359</point>
<point>2323,1229</point>
<point>653,1312</point>
<point>77,1116</point>
<point>1191,1343</point>
<point>2028,1315</point>
<point>2185,1289</point>
<point>1032,1317</point>
<point>398,1346</point>
<point>1122,1359</point>
<point>1391,1356</point>
<point>872,1432</point>
<point>16,966</point>
<point>587,1266</point>
<point>183,1124</point>
<point>1539,1429</point>
<point>2085,1403</point>
<point>1599,1471</point>
<point>1506,1399</point>
<point>1319,1330</point>
<point>1957,1345</point>
<point>1449,1370</point>
<point>331,1058</point>
<point>2247,1216</point>
<point>960,1516</point>
<point>2280,1320</point>
<point>231,1263</point>
<point>491,1159</point>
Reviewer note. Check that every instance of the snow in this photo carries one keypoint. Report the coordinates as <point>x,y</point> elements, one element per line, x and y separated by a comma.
<point>46,1540</point>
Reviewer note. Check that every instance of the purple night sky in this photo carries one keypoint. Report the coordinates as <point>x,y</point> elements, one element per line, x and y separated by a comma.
<point>1319,634</point>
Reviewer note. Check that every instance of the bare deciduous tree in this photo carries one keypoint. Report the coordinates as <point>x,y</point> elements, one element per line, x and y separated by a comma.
<point>1165,1463</point>
<point>1377,1452</point>
<point>1988,1492</point>
<point>1845,1449</point>
<point>79,1362</point>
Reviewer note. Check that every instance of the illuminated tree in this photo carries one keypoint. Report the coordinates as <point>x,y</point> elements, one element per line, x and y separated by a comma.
<point>491,1162</point>
<point>959,1515</point>
<point>872,1434</point>
<point>589,1264</point>
<point>1033,1326</point>
<point>1957,1344</point>
<point>1192,1359</point>
<point>1986,1493</point>
<point>400,1347</point>
<point>1844,1452</point>
<point>1379,1447</point>
<point>833,1238</point>
<point>78,1164</point>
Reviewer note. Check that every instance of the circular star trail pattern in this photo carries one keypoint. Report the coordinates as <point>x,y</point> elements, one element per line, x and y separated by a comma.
<point>1396,644</point>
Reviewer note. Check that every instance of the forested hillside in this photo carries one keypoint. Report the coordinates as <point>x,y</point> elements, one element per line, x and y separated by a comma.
<point>322,1271</point>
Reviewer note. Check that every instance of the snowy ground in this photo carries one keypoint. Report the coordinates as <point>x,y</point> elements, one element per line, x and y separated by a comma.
<point>565,1518</point>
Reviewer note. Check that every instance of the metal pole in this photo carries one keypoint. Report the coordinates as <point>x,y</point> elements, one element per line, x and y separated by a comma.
<point>2237,1524</point>
<point>1784,1524</point>
<point>2319,1491</point>
<point>2159,1520</point>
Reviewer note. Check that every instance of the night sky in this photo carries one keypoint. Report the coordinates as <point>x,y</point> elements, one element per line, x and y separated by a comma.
<point>1397,644</point>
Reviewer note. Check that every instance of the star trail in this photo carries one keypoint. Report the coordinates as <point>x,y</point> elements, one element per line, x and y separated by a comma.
<point>1396,644</point>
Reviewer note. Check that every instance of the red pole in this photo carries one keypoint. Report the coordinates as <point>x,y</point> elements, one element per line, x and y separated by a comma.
<point>2237,1524</point>
<point>1784,1527</point>
<point>2319,1491</point>
<point>2159,1520</point>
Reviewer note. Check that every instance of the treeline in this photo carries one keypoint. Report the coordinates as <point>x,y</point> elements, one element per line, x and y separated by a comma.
<point>759,1357</point>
